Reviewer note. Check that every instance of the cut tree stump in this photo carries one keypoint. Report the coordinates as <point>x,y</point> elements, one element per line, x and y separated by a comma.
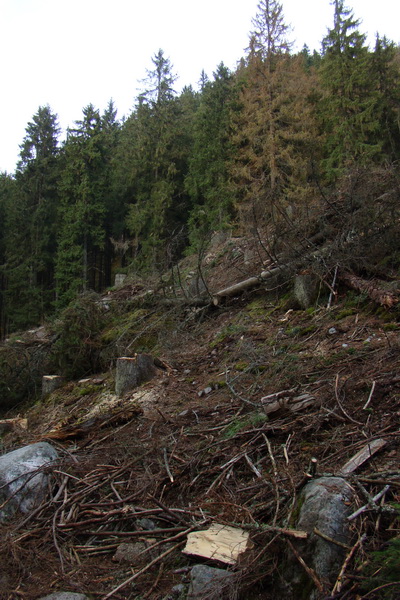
<point>51,383</point>
<point>131,372</point>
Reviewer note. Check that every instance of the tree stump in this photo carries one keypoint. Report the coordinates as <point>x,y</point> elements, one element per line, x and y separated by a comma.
<point>131,372</point>
<point>51,383</point>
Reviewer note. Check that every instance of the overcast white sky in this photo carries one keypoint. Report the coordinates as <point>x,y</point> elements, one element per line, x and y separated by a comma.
<point>68,53</point>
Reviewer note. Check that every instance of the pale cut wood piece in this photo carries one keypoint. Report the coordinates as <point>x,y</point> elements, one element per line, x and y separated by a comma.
<point>363,455</point>
<point>219,542</point>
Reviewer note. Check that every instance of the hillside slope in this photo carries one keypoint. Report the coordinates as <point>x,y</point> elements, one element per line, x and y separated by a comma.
<point>251,392</point>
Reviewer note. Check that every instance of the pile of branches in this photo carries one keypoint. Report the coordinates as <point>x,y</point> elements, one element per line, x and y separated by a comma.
<point>175,479</point>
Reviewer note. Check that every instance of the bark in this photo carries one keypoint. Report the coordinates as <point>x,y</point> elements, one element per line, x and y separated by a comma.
<point>371,288</point>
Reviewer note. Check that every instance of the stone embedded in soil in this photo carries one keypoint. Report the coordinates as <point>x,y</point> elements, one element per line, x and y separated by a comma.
<point>209,583</point>
<point>23,478</point>
<point>65,596</point>
<point>325,505</point>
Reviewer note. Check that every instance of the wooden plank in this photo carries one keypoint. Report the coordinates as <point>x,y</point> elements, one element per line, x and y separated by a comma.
<point>363,455</point>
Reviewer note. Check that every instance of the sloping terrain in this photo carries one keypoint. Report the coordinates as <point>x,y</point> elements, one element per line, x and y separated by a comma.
<point>250,395</point>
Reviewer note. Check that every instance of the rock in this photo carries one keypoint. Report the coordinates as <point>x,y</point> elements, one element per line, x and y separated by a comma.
<point>147,524</point>
<point>129,553</point>
<point>65,596</point>
<point>209,583</point>
<point>325,506</point>
<point>305,289</point>
<point>19,484</point>
<point>178,590</point>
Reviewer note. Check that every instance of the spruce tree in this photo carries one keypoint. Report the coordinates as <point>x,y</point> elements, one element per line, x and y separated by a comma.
<point>207,178</point>
<point>158,163</point>
<point>347,110</point>
<point>84,190</point>
<point>31,217</point>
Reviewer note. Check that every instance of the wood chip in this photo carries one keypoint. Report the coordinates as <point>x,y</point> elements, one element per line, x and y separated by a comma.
<point>219,542</point>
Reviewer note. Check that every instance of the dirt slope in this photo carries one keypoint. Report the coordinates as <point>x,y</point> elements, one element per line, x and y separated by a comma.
<point>195,445</point>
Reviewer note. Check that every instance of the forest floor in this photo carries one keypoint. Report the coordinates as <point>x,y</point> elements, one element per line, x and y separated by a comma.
<point>195,445</point>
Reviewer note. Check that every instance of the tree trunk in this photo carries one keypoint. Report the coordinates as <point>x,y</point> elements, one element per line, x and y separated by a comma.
<point>131,372</point>
<point>371,288</point>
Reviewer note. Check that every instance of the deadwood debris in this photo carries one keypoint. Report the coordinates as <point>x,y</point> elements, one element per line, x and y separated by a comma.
<point>248,477</point>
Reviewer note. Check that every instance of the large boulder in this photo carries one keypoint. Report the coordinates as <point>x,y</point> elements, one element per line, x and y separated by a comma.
<point>24,478</point>
<point>322,508</point>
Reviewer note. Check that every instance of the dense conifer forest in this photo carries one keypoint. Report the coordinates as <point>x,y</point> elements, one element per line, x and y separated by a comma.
<point>258,151</point>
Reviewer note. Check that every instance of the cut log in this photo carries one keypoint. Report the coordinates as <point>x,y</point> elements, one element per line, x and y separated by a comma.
<point>7,425</point>
<point>371,288</point>
<point>247,284</point>
<point>131,372</point>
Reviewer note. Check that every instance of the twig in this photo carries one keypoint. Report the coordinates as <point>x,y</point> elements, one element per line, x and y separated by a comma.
<point>329,539</point>
<point>339,582</point>
<point>340,405</point>
<point>253,467</point>
<point>370,395</point>
<point>167,510</point>
<point>372,505</point>
<point>275,475</point>
<point>332,288</point>
<point>155,584</point>
<point>167,466</point>
<point>378,589</point>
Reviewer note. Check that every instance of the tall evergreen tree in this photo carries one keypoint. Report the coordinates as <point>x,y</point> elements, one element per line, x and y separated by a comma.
<point>158,165</point>
<point>274,130</point>
<point>385,74</point>
<point>348,109</point>
<point>32,219</point>
<point>207,179</point>
<point>84,189</point>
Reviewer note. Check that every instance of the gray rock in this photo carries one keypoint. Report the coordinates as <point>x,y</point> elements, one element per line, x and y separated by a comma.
<point>147,524</point>
<point>325,505</point>
<point>23,477</point>
<point>65,596</point>
<point>129,553</point>
<point>209,583</point>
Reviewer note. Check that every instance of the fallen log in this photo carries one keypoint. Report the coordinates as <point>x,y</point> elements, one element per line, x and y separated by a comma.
<point>372,288</point>
<point>248,284</point>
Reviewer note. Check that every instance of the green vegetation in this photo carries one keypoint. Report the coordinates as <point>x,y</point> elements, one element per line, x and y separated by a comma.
<point>383,571</point>
<point>261,151</point>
